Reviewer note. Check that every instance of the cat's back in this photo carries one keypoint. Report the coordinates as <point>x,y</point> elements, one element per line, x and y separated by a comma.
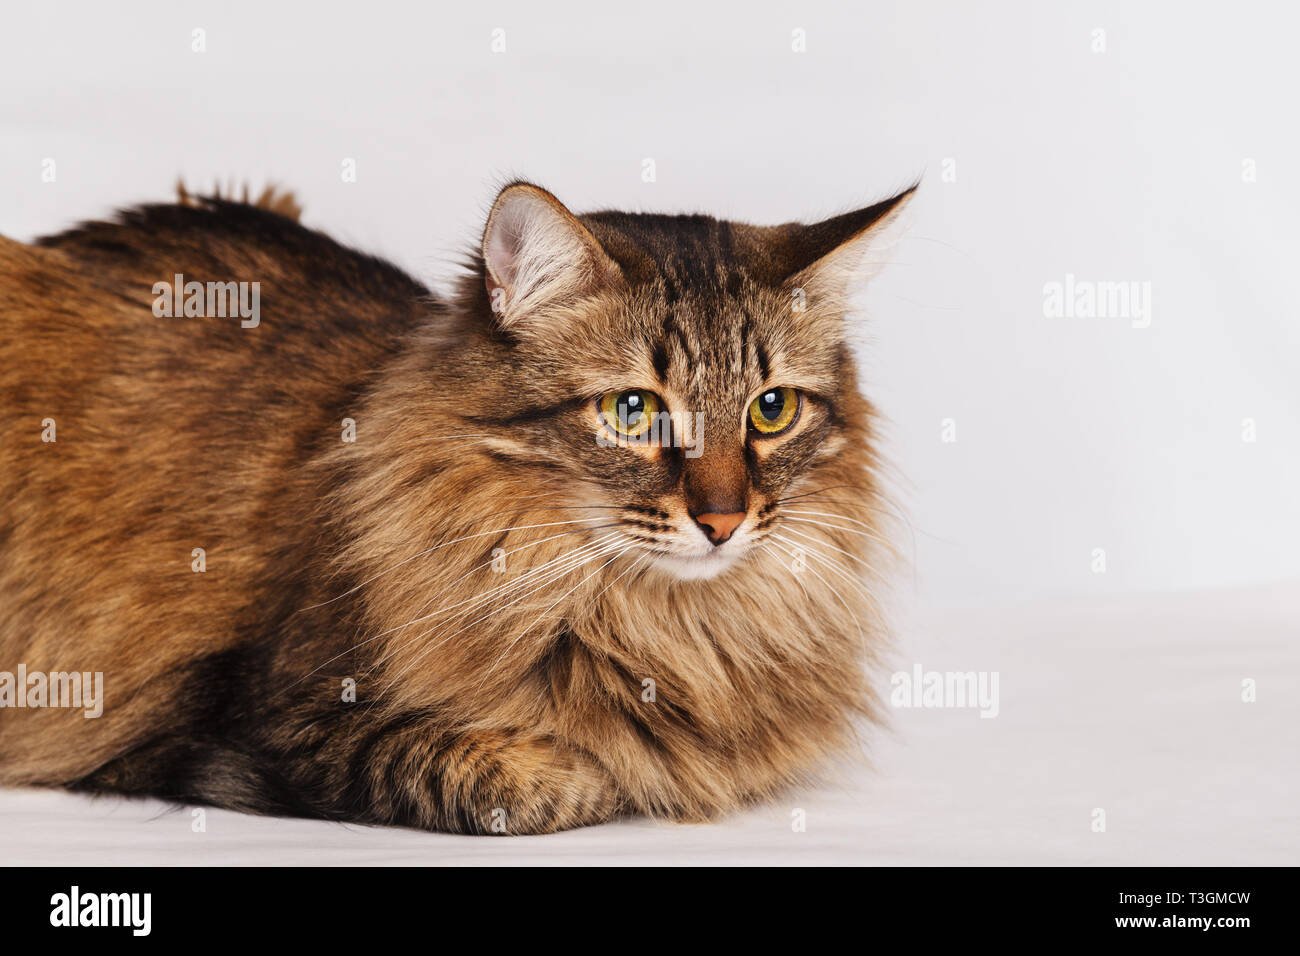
<point>204,347</point>
<point>152,455</point>
<point>309,287</point>
<point>198,314</point>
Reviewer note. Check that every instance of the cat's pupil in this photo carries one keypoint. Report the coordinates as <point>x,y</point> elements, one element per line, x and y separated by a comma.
<point>630,407</point>
<point>770,404</point>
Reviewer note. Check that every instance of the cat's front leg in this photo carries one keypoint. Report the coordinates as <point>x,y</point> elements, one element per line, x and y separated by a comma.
<point>505,784</point>
<point>488,782</point>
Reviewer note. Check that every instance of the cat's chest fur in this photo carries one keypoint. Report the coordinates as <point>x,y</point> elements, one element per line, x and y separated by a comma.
<point>695,695</point>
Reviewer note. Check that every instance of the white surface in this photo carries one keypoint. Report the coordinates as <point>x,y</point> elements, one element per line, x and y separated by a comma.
<point>1131,706</point>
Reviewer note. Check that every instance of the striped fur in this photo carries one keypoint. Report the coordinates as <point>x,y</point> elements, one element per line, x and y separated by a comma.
<point>504,591</point>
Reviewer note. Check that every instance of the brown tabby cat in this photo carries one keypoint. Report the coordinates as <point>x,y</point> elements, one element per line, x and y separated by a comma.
<point>592,537</point>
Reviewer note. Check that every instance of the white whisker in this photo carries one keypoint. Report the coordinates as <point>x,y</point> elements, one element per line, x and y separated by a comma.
<point>827,514</point>
<point>517,639</point>
<point>854,580</point>
<point>418,619</point>
<point>432,646</point>
<point>549,570</point>
<point>549,524</point>
<point>830,587</point>
<point>827,544</point>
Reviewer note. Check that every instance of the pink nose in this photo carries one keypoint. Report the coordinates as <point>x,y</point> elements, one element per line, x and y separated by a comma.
<point>719,527</point>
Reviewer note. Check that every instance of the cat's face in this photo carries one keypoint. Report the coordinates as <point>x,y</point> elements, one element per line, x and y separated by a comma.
<point>688,377</point>
<point>692,418</point>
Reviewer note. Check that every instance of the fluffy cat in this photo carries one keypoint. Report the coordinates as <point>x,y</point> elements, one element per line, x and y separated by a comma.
<point>592,537</point>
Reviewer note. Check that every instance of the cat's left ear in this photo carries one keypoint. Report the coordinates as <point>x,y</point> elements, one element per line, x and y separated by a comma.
<point>831,257</point>
<point>538,254</point>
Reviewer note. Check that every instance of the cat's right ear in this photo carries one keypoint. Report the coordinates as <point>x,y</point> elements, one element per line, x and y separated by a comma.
<point>537,254</point>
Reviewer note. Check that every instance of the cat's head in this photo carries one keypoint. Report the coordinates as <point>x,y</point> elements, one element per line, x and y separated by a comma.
<point>686,376</point>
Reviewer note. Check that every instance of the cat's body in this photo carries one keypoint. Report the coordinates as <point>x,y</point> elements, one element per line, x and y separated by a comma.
<point>489,574</point>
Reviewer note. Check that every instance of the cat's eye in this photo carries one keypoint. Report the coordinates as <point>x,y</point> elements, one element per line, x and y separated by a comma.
<point>629,413</point>
<point>774,410</point>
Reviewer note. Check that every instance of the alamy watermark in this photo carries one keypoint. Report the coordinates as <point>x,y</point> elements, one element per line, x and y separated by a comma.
<point>130,910</point>
<point>683,430</point>
<point>213,300</point>
<point>945,689</point>
<point>1086,299</point>
<point>55,689</point>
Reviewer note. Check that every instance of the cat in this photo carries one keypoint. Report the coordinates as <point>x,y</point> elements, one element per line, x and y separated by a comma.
<point>396,558</point>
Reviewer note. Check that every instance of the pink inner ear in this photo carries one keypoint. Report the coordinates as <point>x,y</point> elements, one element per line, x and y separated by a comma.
<point>503,246</point>
<point>501,250</point>
<point>537,252</point>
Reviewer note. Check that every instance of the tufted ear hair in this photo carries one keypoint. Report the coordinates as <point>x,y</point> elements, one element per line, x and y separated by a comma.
<point>538,254</point>
<point>832,256</point>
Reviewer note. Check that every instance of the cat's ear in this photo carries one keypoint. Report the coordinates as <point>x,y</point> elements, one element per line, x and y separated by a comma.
<point>538,254</point>
<point>833,256</point>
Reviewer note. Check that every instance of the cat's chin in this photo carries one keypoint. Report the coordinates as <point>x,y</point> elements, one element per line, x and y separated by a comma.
<point>697,567</point>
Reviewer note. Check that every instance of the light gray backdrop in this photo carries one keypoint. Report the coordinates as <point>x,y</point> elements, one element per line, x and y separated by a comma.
<point>1161,150</point>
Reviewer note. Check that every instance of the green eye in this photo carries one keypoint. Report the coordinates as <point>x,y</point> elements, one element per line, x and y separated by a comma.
<point>774,410</point>
<point>629,413</point>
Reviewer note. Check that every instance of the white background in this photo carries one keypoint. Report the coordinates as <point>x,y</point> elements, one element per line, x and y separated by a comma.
<point>1072,434</point>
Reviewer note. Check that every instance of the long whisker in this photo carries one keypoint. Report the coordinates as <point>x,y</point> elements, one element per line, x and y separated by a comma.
<point>418,619</point>
<point>480,534</point>
<point>833,548</point>
<point>768,547</point>
<point>809,494</point>
<point>830,587</point>
<point>825,514</point>
<point>486,563</point>
<point>835,527</point>
<point>644,557</point>
<point>534,578</point>
<point>424,652</point>
<point>547,570</point>
<point>841,571</point>
<point>541,616</point>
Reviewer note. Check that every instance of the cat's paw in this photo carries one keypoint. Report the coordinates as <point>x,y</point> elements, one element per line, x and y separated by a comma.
<point>500,784</point>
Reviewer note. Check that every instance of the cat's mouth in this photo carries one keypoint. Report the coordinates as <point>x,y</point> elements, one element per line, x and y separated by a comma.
<point>685,549</point>
<point>701,560</point>
<point>699,567</point>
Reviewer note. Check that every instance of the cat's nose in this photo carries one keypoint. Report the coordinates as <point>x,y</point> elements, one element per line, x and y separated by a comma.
<point>719,527</point>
